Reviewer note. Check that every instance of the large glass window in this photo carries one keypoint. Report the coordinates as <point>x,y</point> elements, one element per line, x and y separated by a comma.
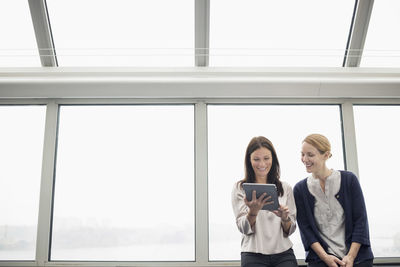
<point>378,144</point>
<point>21,148</point>
<point>18,44</point>
<point>382,44</point>
<point>149,33</point>
<point>279,33</point>
<point>230,128</point>
<point>124,184</point>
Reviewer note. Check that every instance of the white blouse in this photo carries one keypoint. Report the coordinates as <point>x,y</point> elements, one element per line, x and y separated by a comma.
<point>267,236</point>
<point>328,212</point>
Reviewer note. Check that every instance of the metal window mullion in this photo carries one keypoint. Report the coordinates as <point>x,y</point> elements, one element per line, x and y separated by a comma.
<point>201,185</point>
<point>47,185</point>
<point>44,38</point>
<point>349,135</point>
<point>202,32</point>
<point>358,33</point>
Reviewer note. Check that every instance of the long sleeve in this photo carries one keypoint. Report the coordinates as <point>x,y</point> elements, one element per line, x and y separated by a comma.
<point>360,232</point>
<point>240,210</point>
<point>357,229</point>
<point>292,208</point>
<point>304,216</point>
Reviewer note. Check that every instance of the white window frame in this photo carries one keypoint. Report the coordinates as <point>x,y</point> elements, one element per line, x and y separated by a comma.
<point>200,87</point>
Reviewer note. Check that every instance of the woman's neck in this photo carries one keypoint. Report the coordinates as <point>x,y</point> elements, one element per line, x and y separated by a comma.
<point>323,174</point>
<point>261,180</point>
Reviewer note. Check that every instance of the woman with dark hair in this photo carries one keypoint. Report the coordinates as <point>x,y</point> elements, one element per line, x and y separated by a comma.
<point>265,234</point>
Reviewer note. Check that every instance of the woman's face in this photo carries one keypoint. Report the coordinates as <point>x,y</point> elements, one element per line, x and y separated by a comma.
<point>261,161</point>
<point>312,159</point>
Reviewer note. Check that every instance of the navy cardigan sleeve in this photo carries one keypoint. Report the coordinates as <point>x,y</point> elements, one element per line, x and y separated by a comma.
<point>305,219</point>
<point>357,229</point>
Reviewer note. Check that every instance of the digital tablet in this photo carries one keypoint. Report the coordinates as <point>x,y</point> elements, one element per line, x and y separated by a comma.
<point>270,189</point>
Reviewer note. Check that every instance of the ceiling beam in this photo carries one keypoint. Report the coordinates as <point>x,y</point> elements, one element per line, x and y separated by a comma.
<point>202,32</point>
<point>358,33</point>
<point>44,38</point>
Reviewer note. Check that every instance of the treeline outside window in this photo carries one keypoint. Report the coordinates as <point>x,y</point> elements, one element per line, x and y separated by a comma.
<point>123,170</point>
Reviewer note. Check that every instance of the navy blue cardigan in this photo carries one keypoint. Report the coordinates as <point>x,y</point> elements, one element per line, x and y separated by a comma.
<point>351,198</point>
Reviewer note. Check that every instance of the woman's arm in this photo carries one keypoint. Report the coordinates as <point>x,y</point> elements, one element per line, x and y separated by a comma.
<point>287,212</point>
<point>246,211</point>
<point>330,260</point>
<point>252,219</point>
<point>304,220</point>
<point>255,205</point>
<point>286,224</point>
<point>360,231</point>
<point>241,211</point>
<point>352,254</point>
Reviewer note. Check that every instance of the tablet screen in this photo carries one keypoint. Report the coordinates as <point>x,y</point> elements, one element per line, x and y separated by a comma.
<point>270,189</point>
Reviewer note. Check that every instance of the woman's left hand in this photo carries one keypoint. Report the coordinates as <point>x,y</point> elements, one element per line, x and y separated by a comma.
<point>283,212</point>
<point>348,261</point>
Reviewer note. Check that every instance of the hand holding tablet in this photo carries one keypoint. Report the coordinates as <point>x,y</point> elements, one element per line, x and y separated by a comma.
<point>269,189</point>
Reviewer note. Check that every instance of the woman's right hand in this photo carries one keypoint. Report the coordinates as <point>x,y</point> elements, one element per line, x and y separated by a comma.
<point>256,204</point>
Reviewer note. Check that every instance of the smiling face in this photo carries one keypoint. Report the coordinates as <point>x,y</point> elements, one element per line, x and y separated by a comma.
<point>312,159</point>
<point>261,161</point>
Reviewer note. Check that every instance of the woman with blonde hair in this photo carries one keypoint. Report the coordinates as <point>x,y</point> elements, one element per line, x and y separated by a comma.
<point>331,211</point>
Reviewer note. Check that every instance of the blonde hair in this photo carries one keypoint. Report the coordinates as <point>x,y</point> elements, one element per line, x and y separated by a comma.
<point>320,142</point>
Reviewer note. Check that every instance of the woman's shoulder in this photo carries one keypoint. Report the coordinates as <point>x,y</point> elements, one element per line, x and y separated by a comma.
<point>238,185</point>
<point>347,176</point>
<point>301,183</point>
<point>349,180</point>
<point>346,173</point>
<point>286,185</point>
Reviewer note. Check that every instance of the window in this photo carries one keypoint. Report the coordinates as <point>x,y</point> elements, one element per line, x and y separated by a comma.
<point>147,33</point>
<point>377,134</point>
<point>18,44</point>
<point>289,33</point>
<point>124,185</point>
<point>21,142</point>
<point>230,128</point>
<point>382,43</point>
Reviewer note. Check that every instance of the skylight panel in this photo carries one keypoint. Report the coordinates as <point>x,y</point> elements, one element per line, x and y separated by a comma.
<point>382,45</point>
<point>18,46</point>
<point>151,33</point>
<point>279,33</point>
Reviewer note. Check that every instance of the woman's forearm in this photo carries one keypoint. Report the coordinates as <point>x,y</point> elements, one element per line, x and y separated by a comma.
<point>353,251</point>
<point>286,224</point>
<point>319,250</point>
<point>252,219</point>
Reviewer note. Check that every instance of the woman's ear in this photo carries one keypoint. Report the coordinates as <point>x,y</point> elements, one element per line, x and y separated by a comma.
<point>327,155</point>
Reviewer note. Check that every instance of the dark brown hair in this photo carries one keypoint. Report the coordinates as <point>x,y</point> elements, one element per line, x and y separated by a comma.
<point>275,171</point>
